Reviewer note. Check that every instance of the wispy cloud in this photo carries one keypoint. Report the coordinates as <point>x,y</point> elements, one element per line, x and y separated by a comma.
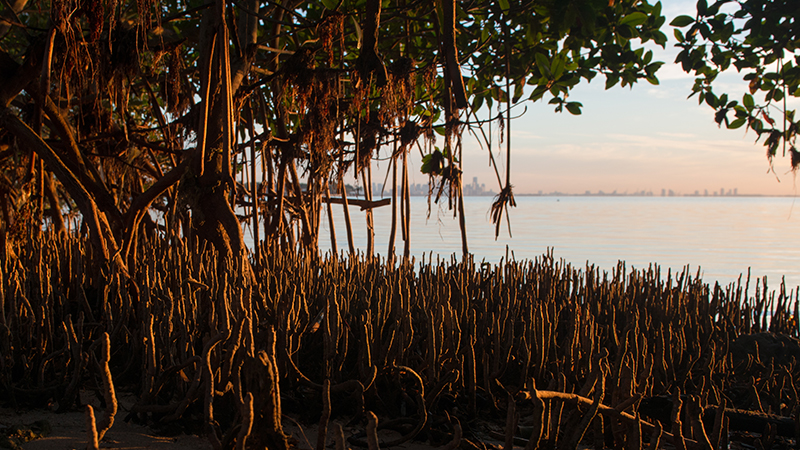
<point>676,135</point>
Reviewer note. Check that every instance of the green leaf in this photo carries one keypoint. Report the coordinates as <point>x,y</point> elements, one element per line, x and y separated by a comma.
<point>611,80</point>
<point>433,163</point>
<point>736,123</point>
<point>574,108</point>
<point>557,68</point>
<point>656,9</point>
<point>681,21</point>
<point>748,102</point>
<point>543,64</point>
<point>702,7</point>
<point>711,99</point>
<point>529,37</point>
<point>634,19</point>
<point>660,39</point>
<point>518,91</point>
<point>330,4</point>
<point>503,5</point>
<point>477,102</point>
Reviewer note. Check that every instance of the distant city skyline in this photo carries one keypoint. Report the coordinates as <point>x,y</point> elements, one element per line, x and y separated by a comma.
<point>478,189</point>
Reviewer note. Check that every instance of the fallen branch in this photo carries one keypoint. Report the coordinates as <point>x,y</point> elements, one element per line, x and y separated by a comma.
<point>606,411</point>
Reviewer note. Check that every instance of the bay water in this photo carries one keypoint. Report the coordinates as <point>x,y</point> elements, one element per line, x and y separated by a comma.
<point>722,236</point>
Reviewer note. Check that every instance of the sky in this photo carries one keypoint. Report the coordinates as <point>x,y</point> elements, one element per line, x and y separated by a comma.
<point>647,138</point>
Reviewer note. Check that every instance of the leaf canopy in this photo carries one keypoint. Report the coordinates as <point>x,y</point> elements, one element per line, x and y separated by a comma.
<point>759,39</point>
<point>166,105</point>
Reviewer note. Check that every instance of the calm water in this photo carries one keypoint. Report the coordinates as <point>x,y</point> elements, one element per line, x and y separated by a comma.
<point>724,236</point>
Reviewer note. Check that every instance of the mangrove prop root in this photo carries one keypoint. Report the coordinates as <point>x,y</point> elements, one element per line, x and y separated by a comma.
<point>538,424</point>
<point>208,403</point>
<point>338,437</point>
<point>93,442</point>
<point>634,438</point>
<point>423,419</point>
<point>512,418</point>
<point>79,360</point>
<point>322,432</point>
<point>655,437</point>
<point>372,431</point>
<point>108,388</point>
<point>697,422</point>
<point>457,435</point>
<point>176,409</point>
<point>677,426</point>
<point>247,422</point>
<point>574,436</point>
<point>473,331</point>
<point>599,437</point>
<point>719,416</point>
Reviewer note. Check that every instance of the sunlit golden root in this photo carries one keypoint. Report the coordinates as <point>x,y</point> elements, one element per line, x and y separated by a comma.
<point>91,430</point>
<point>108,389</point>
<point>247,422</point>
<point>372,431</point>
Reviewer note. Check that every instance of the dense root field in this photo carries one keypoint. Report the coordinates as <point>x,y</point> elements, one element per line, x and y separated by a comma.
<point>536,354</point>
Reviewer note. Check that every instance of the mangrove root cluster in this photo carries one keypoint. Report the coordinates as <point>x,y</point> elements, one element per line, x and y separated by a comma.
<point>559,355</point>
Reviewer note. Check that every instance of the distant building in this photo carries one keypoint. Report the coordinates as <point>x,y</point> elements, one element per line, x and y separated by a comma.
<point>475,189</point>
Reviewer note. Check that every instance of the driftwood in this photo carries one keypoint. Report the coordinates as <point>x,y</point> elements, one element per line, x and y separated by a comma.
<point>739,420</point>
<point>363,204</point>
<point>658,408</point>
<point>754,421</point>
<point>606,411</point>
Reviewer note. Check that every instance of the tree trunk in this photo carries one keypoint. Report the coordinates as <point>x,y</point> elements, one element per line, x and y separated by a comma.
<point>208,187</point>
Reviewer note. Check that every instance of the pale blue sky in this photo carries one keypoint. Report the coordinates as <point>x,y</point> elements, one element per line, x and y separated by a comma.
<point>645,138</point>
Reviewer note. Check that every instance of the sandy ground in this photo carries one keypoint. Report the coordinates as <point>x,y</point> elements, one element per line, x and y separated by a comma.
<point>68,431</point>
